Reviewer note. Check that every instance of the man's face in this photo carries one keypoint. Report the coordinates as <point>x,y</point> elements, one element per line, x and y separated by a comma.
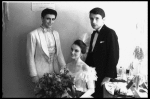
<point>96,20</point>
<point>48,20</point>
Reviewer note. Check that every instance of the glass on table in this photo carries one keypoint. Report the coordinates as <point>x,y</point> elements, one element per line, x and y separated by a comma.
<point>120,72</point>
<point>127,71</point>
<point>128,76</point>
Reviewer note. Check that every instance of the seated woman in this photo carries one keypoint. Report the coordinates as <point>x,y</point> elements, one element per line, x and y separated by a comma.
<point>84,75</point>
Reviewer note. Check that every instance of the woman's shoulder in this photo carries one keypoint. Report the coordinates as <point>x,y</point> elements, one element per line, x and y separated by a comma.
<point>85,67</point>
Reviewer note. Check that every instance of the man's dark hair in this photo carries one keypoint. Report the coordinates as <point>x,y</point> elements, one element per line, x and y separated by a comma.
<point>82,45</point>
<point>98,11</point>
<point>48,11</point>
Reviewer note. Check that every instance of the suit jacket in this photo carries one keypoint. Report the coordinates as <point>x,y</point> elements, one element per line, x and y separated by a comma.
<point>38,55</point>
<point>105,54</point>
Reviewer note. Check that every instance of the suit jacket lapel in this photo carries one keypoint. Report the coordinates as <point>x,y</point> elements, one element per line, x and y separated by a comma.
<point>56,41</point>
<point>43,42</point>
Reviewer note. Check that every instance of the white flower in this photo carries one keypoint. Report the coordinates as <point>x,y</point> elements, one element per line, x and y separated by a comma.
<point>62,71</point>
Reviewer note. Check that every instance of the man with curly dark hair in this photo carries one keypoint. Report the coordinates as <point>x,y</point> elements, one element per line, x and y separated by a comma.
<point>44,52</point>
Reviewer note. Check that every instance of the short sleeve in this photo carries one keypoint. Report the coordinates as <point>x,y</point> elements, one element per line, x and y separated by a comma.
<point>89,74</point>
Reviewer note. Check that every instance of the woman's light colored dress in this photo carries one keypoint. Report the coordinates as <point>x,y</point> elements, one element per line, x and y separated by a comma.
<point>82,76</point>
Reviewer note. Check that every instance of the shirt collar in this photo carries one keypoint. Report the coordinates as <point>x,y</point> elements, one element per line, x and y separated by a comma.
<point>45,29</point>
<point>97,30</point>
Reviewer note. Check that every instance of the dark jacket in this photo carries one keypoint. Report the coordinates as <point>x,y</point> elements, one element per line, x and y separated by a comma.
<point>105,54</point>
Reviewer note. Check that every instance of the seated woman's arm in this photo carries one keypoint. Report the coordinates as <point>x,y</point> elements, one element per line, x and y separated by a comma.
<point>90,91</point>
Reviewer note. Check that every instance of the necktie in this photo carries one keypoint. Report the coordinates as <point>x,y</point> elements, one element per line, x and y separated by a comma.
<point>94,39</point>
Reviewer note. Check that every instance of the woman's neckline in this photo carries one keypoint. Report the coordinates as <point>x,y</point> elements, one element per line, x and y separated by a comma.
<point>75,68</point>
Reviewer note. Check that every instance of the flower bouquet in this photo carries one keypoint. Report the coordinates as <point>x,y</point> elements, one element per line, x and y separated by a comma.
<point>55,86</point>
<point>138,53</point>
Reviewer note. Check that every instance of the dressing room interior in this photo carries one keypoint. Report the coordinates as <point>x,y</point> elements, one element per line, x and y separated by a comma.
<point>128,19</point>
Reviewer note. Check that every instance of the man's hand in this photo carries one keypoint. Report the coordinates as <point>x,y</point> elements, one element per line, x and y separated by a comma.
<point>35,79</point>
<point>105,80</point>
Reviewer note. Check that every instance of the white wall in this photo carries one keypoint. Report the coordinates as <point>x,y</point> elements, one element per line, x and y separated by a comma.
<point>72,21</point>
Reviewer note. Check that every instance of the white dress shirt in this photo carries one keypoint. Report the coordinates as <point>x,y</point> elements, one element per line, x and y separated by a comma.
<point>50,42</point>
<point>95,38</point>
<point>94,41</point>
<point>49,37</point>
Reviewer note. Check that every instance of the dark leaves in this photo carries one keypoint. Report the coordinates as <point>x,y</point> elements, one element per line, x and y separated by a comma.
<point>54,85</point>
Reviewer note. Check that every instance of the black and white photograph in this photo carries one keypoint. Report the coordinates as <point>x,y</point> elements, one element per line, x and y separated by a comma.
<point>74,49</point>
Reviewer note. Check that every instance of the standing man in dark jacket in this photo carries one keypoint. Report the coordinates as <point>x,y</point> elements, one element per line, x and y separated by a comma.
<point>103,53</point>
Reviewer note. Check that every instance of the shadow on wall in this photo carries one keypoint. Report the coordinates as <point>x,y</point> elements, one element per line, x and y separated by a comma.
<point>69,28</point>
<point>26,85</point>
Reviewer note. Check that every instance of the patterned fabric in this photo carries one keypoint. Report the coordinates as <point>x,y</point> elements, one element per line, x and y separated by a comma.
<point>50,40</point>
<point>38,54</point>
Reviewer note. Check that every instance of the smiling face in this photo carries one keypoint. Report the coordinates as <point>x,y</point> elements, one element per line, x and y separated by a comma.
<point>75,51</point>
<point>48,20</point>
<point>96,20</point>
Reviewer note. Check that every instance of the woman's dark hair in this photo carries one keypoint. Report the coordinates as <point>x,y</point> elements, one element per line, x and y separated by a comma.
<point>48,11</point>
<point>82,45</point>
<point>98,11</point>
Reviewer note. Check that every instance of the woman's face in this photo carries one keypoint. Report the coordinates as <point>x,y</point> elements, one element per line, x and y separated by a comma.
<point>75,51</point>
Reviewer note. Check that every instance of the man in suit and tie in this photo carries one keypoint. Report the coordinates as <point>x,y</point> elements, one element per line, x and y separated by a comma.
<point>44,52</point>
<point>103,53</point>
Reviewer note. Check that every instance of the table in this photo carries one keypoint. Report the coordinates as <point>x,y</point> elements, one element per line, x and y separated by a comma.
<point>106,94</point>
<point>136,93</point>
